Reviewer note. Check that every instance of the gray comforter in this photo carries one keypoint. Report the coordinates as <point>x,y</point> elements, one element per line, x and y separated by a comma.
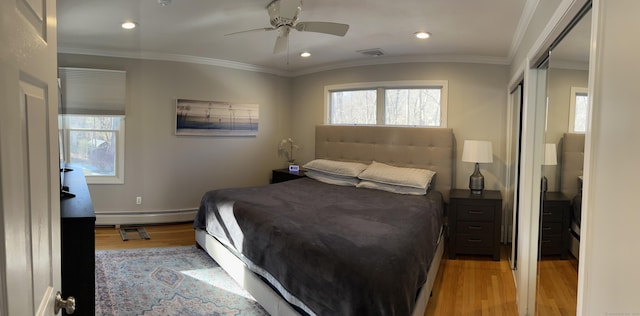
<point>330,250</point>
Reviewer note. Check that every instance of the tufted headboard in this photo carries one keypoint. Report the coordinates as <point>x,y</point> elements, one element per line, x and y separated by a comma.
<point>572,161</point>
<point>427,148</point>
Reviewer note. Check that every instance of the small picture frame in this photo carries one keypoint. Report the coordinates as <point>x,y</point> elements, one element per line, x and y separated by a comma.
<point>294,168</point>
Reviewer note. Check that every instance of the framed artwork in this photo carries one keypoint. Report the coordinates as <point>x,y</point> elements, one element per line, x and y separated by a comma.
<point>213,118</point>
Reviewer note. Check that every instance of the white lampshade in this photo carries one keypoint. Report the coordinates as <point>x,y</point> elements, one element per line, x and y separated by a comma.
<point>550,155</point>
<point>477,151</point>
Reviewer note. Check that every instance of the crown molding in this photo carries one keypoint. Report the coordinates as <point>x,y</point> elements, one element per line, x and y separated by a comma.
<point>174,57</point>
<point>369,61</point>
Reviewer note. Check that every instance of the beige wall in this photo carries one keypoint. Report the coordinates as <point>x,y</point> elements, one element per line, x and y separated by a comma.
<point>171,172</point>
<point>477,107</point>
<point>609,253</point>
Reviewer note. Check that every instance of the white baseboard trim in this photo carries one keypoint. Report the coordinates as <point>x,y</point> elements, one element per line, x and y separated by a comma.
<point>150,217</point>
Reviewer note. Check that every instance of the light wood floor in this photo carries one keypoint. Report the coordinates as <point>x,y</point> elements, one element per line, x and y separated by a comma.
<point>557,287</point>
<point>466,286</point>
<point>181,234</point>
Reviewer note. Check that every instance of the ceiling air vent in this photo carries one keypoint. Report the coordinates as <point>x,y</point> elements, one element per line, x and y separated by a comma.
<point>371,52</point>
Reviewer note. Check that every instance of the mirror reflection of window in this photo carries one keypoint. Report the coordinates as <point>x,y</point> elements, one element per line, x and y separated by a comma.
<point>578,110</point>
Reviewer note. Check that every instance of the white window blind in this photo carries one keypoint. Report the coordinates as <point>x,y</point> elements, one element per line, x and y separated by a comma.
<point>93,91</point>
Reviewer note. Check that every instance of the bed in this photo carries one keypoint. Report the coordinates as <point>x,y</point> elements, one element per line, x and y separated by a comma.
<point>571,183</point>
<point>307,247</point>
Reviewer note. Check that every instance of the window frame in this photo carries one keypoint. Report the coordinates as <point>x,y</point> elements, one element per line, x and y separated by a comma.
<point>380,87</point>
<point>575,92</point>
<point>118,178</point>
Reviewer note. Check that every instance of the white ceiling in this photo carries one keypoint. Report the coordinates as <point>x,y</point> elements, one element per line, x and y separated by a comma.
<point>193,30</point>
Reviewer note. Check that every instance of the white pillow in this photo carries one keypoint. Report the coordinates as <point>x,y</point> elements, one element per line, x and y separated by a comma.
<point>332,179</point>
<point>391,188</point>
<point>408,177</point>
<point>339,168</point>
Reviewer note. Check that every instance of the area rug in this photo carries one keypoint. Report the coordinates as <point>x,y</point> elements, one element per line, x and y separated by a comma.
<point>167,281</point>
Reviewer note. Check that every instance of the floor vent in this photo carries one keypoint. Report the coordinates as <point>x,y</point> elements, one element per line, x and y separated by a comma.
<point>134,233</point>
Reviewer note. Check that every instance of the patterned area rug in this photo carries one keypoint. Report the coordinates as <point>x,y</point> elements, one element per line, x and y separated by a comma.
<point>167,281</point>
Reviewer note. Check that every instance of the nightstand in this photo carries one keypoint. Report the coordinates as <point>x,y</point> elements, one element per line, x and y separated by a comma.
<point>554,225</point>
<point>474,223</point>
<point>281,175</point>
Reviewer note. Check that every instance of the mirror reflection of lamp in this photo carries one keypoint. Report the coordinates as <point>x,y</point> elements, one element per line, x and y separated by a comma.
<point>477,151</point>
<point>550,159</point>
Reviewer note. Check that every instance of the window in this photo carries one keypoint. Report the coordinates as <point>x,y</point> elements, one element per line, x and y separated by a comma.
<point>91,123</point>
<point>578,110</point>
<point>404,103</point>
<point>95,143</point>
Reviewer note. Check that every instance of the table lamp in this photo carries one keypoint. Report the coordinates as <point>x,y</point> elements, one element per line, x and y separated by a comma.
<point>477,151</point>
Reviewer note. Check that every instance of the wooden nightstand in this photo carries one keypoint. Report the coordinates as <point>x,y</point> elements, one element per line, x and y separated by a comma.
<point>281,175</point>
<point>554,225</point>
<point>474,223</point>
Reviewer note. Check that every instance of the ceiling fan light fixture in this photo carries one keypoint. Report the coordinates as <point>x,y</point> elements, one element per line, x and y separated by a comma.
<point>422,35</point>
<point>305,54</point>
<point>129,25</point>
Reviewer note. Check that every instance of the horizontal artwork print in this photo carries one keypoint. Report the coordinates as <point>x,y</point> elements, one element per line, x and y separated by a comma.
<point>213,118</point>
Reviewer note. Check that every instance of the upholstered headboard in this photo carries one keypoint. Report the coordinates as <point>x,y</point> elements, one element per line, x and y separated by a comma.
<point>572,161</point>
<point>427,148</point>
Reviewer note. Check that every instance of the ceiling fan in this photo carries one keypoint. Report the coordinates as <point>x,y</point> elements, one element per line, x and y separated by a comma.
<point>283,16</point>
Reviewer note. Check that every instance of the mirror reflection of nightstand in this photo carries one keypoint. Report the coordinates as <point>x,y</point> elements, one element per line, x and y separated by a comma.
<point>555,225</point>
<point>281,175</point>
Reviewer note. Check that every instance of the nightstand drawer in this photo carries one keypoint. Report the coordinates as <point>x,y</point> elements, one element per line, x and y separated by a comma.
<point>469,212</point>
<point>474,244</point>
<point>475,228</point>
<point>551,244</point>
<point>551,228</point>
<point>552,213</point>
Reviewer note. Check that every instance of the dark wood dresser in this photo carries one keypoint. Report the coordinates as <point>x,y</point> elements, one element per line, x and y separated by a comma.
<point>555,224</point>
<point>77,228</point>
<point>474,223</point>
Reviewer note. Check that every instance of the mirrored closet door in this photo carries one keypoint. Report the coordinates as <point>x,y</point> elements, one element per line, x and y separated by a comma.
<point>567,79</point>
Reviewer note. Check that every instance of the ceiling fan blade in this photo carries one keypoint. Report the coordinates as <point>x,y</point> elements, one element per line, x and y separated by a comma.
<point>282,41</point>
<point>253,30</point>
<point>337,29</point>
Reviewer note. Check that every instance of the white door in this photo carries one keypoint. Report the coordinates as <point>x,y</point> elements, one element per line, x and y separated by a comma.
<point>29,197</point>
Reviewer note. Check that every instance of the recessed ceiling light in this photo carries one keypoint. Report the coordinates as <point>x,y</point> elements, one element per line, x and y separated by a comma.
<point>305,54</point>
<point>128,25</point>
<point>423,35</point>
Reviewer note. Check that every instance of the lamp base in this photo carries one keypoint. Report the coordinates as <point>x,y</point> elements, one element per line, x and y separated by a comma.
<point>476,181</point>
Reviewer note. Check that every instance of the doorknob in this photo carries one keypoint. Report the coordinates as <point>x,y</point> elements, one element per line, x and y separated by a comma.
<point>69,304</point>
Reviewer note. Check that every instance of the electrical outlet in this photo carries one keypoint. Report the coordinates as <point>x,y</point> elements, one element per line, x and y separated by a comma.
<point>138,200</point>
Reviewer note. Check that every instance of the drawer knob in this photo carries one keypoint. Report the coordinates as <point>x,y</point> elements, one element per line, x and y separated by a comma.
<point>474,227</point>
<point>476,212</point>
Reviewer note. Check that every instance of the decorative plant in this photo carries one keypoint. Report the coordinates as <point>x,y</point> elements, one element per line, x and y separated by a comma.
<point>286,148</point>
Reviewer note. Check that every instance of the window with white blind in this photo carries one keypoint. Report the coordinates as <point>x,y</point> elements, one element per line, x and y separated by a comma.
<point>578,110</point>
<point>92,122</point>
<point>403,103</point>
